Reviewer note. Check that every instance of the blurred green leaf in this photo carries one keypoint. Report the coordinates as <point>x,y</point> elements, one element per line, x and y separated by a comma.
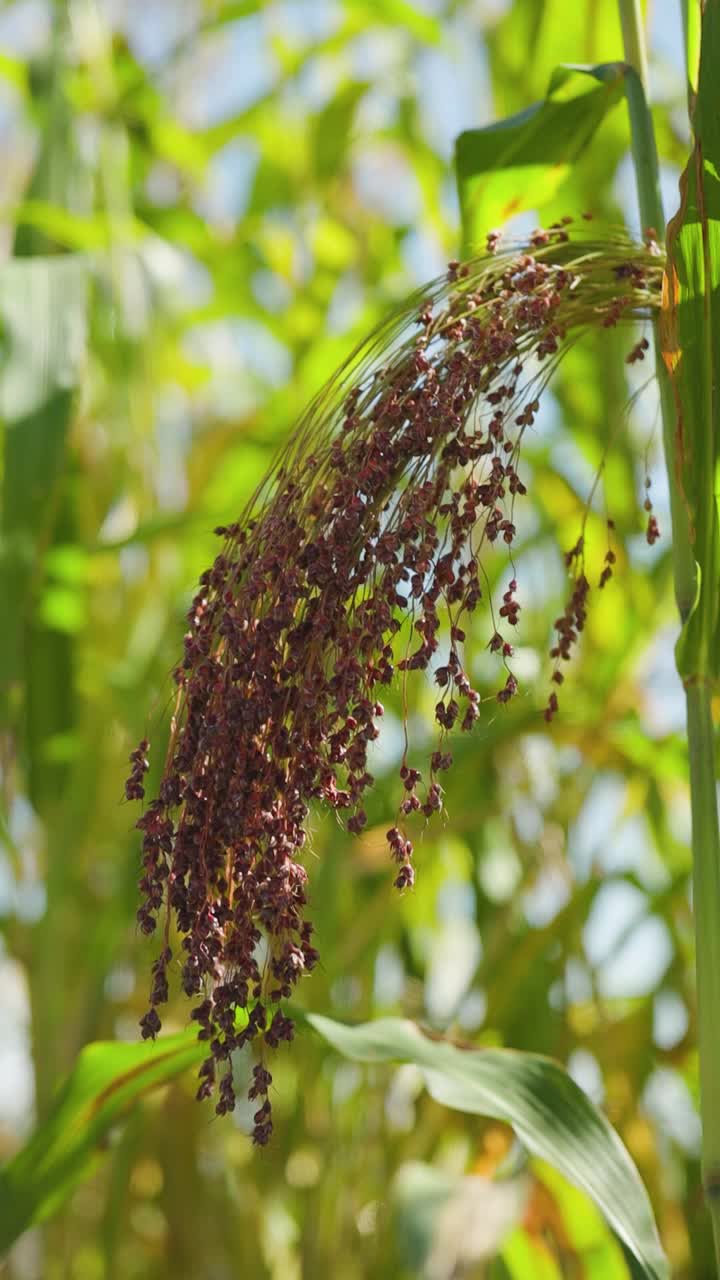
<point>552,1117</point>
<point>333,129</point>
<point>399,13</point>
<point>42,314</point>
<point>15,72</point>
<point>520,162</point>
<point>534,35</point>
<point>108,1078</point>
<point>75,231</point>
<point>586,1234</point>
<point>450,1221</point>
<point>523,1256</point>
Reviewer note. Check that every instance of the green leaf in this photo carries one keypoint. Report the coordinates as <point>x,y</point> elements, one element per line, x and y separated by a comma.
<point>107,1079</point>
<point>552,1117</point>
<point>690,334</point>
<point>519,163</point>
<point>533,35</point>
<point>550,1114</point>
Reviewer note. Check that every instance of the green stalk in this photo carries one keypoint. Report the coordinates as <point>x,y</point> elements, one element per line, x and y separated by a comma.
<point>691,34</point>
<point>644,152</point>
<point>634,41</point>
<point>701,738</point>
<point>706,906</point>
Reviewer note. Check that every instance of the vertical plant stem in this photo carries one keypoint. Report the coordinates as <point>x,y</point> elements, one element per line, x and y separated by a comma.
<point>706,906</point>
<point>691,35</point>
<point>701,738</point>
<point>644,151</point>
<point>634,39</point>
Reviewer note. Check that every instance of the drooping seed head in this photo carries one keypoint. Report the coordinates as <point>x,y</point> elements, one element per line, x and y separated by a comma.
<point>397,481</point>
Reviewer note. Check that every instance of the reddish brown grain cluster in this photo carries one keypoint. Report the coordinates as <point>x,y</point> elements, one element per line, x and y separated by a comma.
<point>356,565</point>
<point>652,532</point>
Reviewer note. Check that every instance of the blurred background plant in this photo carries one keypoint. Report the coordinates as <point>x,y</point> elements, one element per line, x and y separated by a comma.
<point>205,206</point>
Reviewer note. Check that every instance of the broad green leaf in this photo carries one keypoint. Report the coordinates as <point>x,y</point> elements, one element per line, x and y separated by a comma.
<point>550,1114</point>
<point>519,163</point>
<point>690,333</point>
<point>107,1079</point>
<point>552,1117</point>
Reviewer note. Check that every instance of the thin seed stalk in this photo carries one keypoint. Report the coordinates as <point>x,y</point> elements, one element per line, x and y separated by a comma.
<point>701,741</point>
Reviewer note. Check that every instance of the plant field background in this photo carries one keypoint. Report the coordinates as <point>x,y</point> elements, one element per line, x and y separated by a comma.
<point>205,205</point>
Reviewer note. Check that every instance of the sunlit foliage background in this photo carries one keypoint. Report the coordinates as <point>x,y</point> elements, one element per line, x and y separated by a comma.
<point>232,194</point>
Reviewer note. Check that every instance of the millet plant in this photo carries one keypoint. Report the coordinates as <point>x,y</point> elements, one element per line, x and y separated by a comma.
<point>357,563</point>
<point>356,566</point>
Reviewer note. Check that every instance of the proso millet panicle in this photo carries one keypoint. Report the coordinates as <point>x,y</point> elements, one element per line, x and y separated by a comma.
<point>398,479</point>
